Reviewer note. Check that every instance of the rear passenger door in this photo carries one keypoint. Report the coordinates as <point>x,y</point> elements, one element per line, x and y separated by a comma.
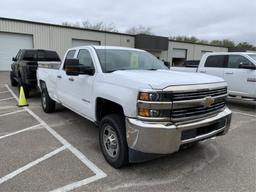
<point>237,78</point>
<point>214,65</point>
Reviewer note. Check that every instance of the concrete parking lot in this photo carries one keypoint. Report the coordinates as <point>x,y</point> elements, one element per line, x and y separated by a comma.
<point>60,151</point>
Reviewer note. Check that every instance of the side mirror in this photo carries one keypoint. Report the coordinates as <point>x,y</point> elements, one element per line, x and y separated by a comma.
<point>247,66</point>
<point>14,59</point>
<point>167,64</point>
<point>73,68</point>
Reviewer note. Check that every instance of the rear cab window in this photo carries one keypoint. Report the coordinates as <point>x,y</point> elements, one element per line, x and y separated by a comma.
<point>29,55</point>
<point>217,61</point>
<point>48,56</point>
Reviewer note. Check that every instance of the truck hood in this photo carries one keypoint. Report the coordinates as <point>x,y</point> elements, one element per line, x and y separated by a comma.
<point>161,79</point>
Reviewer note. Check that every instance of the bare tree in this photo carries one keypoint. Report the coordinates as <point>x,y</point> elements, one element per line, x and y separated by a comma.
<point>140,30</point>
<point>96,26</point>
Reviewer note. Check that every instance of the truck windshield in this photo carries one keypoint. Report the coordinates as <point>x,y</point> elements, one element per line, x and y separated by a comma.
<point>253,56</point>
<point>114,59</point>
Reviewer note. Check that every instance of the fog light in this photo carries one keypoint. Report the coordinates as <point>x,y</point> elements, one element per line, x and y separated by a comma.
<point>154,113</point>
<point>144,112</point>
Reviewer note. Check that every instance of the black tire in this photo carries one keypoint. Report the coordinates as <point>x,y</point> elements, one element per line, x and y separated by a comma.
<point>14,83</point>
<point>47,103</point>
<point>117,123</point>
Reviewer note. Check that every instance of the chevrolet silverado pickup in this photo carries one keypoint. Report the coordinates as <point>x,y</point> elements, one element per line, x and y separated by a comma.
<point>143,109</point>
<point>25,65</point>
<point>237,69</point>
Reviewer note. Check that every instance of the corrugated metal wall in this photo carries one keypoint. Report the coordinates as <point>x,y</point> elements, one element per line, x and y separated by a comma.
<point>60,38</point>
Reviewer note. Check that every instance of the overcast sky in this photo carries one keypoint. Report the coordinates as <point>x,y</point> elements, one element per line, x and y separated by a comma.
<point>205,19</point>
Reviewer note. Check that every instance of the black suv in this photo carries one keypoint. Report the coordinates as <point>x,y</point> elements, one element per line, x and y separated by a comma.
<point>25,65</point>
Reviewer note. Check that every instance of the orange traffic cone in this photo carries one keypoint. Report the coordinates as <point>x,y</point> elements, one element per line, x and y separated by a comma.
<point>22,99</point>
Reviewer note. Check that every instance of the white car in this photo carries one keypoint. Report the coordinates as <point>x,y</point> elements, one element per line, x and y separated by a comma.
<point>237,69</point>
<point>142,108</point>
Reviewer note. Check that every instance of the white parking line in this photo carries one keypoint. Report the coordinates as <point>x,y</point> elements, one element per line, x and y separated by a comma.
<point>98,172</point>
<point>9,98</point>
<point>4,91</point>
<point>31,164</point>
<point>14,112</point>
<point>78,184</point>
<point>20,131</point>
<point>246,114</point>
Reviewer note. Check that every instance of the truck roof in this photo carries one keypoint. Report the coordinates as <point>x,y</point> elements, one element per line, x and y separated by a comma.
<point>108,47</point>
<point>232,53</point>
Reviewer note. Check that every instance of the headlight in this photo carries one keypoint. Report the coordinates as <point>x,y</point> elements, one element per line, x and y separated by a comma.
<point>154,106</point>
<point>144,96</point>
<point>155,96</point>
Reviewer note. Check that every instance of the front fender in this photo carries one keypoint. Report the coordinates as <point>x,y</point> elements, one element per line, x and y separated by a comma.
<point>124,96</point>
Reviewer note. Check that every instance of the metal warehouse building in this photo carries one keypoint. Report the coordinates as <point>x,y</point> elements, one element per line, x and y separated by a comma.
<point>19,34</point>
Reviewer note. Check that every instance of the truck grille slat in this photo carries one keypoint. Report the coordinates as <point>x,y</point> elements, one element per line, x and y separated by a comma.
<point>198,94</point>
<point>197,110</point>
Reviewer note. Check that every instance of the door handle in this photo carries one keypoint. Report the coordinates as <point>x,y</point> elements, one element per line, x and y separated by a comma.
<point>59,76</point>
<point>229,73</point>
<point>70,79</point>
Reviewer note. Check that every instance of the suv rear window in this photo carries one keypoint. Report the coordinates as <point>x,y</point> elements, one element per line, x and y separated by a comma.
<point>215,61</point>
<point>29,55</point>
<point>48,56</point>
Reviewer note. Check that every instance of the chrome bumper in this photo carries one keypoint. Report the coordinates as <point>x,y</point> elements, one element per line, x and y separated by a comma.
<point>157,138</point>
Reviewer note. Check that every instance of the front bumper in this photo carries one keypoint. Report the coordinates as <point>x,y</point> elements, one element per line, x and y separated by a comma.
<point>157,138</point>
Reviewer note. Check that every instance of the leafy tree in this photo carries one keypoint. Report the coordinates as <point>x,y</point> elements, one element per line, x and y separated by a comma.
<point>246,45</point>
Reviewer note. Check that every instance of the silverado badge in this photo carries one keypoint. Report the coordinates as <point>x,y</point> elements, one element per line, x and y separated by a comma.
<point>208,101</point>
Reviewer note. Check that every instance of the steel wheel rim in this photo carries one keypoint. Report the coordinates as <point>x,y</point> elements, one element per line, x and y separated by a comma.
<point>110,141</point>
<point>44,100</point>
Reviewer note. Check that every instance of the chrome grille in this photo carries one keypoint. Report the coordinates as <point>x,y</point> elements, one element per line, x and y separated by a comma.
<point>198,94</point>
<point>190,105</point>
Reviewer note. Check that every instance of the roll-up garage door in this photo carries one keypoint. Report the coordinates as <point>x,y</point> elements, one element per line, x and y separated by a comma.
<point>80,42</point>
<point>178,57</point>
<point>179,53</point>
<point>10,44</point>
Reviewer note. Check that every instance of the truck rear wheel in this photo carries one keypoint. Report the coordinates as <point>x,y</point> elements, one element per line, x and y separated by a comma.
<point>14,83</point>
<point>112,139</point>
<point>47,103</point>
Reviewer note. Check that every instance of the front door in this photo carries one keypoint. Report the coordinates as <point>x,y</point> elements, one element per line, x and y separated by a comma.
<point>238,79</point>
<point>79,88</point>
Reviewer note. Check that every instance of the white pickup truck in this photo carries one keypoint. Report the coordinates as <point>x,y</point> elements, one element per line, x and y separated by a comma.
<point>142,108</point>
<point>237,69</point>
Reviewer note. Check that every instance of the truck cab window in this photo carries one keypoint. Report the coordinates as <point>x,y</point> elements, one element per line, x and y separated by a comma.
<point>18,55</point>
<point>85,58</point>
<point>48,56</point>
<point>30,55</point>
<point>70,55</point>
<point>235,60</point>
<point>215,61</point>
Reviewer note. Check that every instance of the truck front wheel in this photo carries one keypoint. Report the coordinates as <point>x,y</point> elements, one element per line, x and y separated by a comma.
<point>48,104</point>
<point>113,140</point>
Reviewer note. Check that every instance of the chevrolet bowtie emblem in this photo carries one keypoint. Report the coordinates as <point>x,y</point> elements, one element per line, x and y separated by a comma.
<point>208,101</point>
